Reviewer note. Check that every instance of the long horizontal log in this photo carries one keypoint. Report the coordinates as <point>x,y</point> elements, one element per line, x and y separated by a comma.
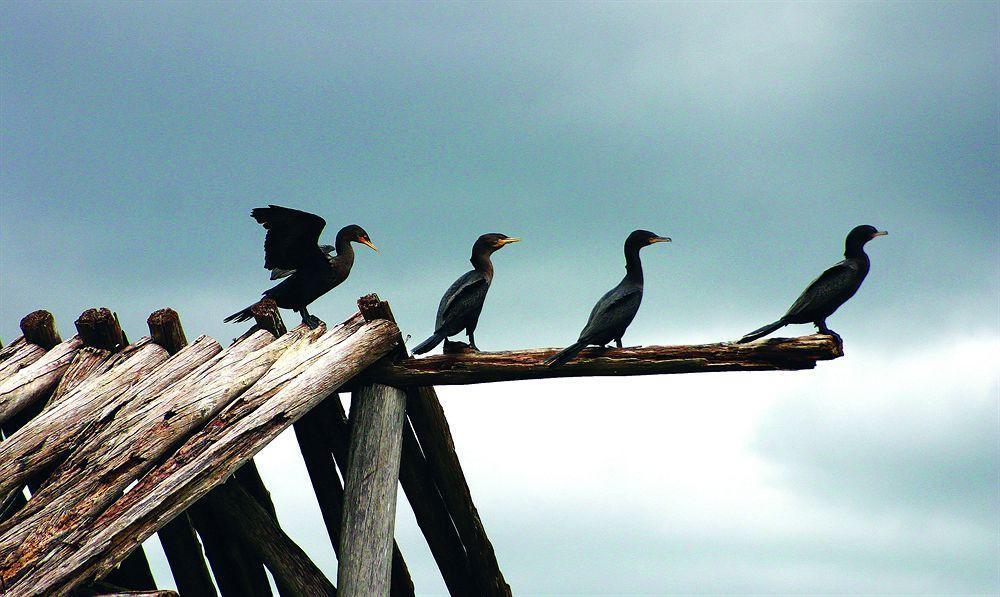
<point>20,355</point>
<point>208,457</point>
<point>775,354</point>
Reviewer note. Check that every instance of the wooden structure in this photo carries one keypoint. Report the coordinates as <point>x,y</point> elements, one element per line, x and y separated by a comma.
<point>116,441</point>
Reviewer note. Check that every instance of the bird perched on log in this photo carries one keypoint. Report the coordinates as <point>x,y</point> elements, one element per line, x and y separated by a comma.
<point>463,302</point>
<point>292,251</point>
<point>829,291</point>
<point>616,309</point>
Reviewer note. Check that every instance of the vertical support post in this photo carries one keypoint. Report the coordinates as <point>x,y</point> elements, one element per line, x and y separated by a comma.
<point>377,414</point>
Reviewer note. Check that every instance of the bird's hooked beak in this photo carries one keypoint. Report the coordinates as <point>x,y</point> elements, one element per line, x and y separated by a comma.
<point>508,240</point>
<point>659,239</point>
<point>881,233</point>
<point>368,243</point>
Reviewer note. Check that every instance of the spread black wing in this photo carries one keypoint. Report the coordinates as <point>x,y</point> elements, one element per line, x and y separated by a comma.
<point>612,314</point>
<point>463,298</point>
<point>292,236</point>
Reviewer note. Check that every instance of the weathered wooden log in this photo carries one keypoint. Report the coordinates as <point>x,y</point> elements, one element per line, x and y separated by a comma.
<point>39,327</point>
<point>36,381</point>
<point>323,436</point>
<point>87,363</point>
<point>125,593</point>
<point>208,457</point>
<point>433,432</point>
<point>100,328</point>
<point>10,349</point>
<point>23,355</point>
<point>133,572</point>
<point>377,416</point>
<point>165,329</point>
<point>184,554</point>
<point>255,528</point>
<point>775,354</point>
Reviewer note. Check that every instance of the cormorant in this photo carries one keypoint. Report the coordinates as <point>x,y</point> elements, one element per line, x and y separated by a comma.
<point>616,309</point>
<point>829,291</point>
<point>291,251</point>
<point>463,302</point>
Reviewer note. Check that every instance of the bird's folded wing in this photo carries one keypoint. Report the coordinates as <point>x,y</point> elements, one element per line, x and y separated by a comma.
<point>616,308</point>
<point>292,236</point>
<point>465,295</point>
<point>827,286</point>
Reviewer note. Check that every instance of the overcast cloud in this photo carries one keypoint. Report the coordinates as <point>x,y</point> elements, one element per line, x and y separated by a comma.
<point>134,140</point>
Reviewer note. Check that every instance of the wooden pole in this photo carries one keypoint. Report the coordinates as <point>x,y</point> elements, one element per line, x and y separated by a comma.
<point>323,437</point>
<point>432,430</point>
<point>39,327</point>
<point>377,415</point>
<point>774,354</point>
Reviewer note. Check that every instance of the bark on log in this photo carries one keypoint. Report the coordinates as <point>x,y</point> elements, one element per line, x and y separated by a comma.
<point>185,556</point>
<point>39,327</point>
<point>365,565</point>
<point>255,528</point>
<point>775,354</point>
<point>52,433</point>
<point>434,434</point>
<point>208,457</point>
<point>100,328</point>
<point>36,382</point>
<point>324,436</point>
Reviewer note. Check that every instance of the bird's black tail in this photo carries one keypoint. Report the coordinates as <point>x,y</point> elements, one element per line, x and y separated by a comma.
<point>565,355</point>
<point>429,344</point>
<point>761,332</point>
<point>243,315</point>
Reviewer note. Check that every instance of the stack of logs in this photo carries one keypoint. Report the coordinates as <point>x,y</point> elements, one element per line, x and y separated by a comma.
<point>116,441</point>
<point>86,419</point>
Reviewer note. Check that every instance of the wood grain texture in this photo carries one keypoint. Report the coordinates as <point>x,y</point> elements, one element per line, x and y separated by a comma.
<point>365,564</point>
<point>775,354</point>
<point>434,434</point>
<point>206,458</point>
<point>21,355</point>
<point>36,381</point>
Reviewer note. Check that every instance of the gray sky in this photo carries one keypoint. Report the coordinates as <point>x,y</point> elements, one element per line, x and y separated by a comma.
<point>136,138</point>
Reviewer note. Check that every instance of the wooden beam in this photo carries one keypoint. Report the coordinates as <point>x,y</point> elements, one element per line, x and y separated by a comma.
<point>19,355</point>
<point>100,328</point>
<point>432,430</point>
<point>365,565</point>
<point>774,354</point>
<point>208,457</point>
<point>236,575</point>
<point>256,529</point>
<point>34,383</point>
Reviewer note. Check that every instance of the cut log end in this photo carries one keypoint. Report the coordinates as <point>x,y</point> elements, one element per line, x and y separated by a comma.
<point>165,329</point>
<point>372,308</point>
<point>99,328</point>
<point>39,327</point>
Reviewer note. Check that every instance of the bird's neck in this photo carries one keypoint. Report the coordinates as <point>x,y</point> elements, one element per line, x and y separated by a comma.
<point>345,250</point>
<point>481,263</point>
<point>633,266</point>
<point>856,251</point>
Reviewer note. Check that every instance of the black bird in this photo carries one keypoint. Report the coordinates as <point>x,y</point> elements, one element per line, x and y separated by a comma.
<point>616,309</point>
<point>829,291</point>
<point>291,251</point>
<point>463,302</point>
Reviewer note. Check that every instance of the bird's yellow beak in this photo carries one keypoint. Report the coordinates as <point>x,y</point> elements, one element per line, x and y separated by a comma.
<point>659,239</point>
<point>507,241</point>
<point>881,233</point>
<point>367,242</point>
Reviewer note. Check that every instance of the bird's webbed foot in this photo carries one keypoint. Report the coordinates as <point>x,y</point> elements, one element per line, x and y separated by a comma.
<point>311,321</point>
<point>618,342</point>
<point>827,331</point>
